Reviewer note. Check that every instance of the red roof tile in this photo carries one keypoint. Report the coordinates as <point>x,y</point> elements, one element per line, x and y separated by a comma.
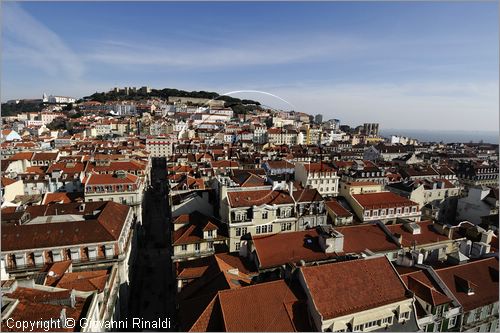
<point>289,247</point>
<point>428,234</point>
<point>106,227</point>
<point>382,200</point>
<point>338,209</point>
<point>358,238</point>
<point>7,181</point>
<point>257,198</point>
<point>372,283</point>
<point>425,288</point>
<point>268,311</point>
<point>105,179</point>
<point>480,275</point>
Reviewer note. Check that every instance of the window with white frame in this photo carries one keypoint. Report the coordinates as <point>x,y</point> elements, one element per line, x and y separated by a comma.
<point>264,215</point>
<point>237,246</point>
<point>370,324</point>
<point>382,212</point>
<point>405,315</point>
<point>406,210</point>
<point>375,212</point>
<point>452,322</point>
<point>197,247</point>
<point>398,210</point>
<point>184,247</point>
<point>367,213</point>
<point>413,209</point>
<point>358,328</point>
<point>391,211</point>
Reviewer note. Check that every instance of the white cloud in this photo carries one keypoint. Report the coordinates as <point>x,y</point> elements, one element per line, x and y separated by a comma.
<point>28,41</point>
<point>261,51</point>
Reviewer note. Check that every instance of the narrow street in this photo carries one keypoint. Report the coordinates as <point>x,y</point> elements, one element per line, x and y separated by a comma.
<point>153,287</point>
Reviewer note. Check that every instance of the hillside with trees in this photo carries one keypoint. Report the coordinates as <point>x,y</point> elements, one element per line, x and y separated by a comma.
<point>239,106</point>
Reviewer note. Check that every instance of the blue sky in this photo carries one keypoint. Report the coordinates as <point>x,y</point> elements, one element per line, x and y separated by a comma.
<point>426,65</point>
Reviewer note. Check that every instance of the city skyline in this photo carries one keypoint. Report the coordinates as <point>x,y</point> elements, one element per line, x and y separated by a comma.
<point>412,66</point>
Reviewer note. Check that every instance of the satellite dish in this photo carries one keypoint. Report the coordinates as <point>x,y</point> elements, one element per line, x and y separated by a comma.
<point>51,273</point>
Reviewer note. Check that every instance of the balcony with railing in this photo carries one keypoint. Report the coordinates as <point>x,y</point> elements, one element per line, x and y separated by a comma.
<point>12,266</point>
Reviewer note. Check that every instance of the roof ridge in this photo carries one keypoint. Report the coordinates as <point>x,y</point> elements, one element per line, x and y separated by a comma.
<point>467,263</point>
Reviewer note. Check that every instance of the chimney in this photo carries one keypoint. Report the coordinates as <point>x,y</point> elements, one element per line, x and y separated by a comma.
<point>486,236</point>
<point>81,208</point>
<point>330,240</point>
<point>290,188</point>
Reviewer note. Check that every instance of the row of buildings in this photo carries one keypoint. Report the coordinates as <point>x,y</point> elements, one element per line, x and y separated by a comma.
<point>279,223</point>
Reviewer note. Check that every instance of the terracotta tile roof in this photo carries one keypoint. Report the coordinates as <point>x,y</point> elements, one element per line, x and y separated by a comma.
<point>191,183</point>
<point>372,283</point>
<point>58,269</point>
<point>338,209</point>
<point>116,166</point>
<point>318,167</point>
<point>249,180</point>
<point>289,247</point>
<point>191,309</point>
<point>280,165</point>
<point>257,198</point>
<point>7,181</point>
<point>210,318</point>
<point>425,288</point>
<point>67,167</point>
<point>225,164</point>
<point>106,227</point>
<point>44,156</point>
<point>358,238</point>
<point>428,234</point>
<point>382,200</point>
<point>234,260</point>
<point>480,275</point>
<point>27,155</point>
<point>307,195</point>
<point>192,272</point>
<point>105,179</point>
<point>268,311</point>
<point>192,232</point>
<point>84,280</point>
<point>196,296</point>
<point>62,197</point>
<point>36,170</point>
<point>33,305</point>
